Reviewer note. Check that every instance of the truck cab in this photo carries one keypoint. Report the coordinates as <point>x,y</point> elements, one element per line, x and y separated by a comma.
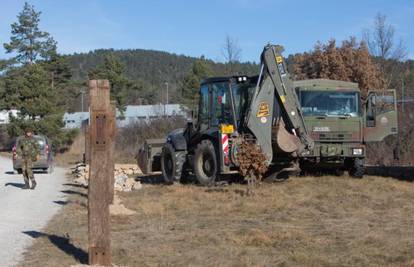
<point>340,123</point>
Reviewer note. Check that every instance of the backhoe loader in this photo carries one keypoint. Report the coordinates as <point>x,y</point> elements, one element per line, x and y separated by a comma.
<point>282,118</point>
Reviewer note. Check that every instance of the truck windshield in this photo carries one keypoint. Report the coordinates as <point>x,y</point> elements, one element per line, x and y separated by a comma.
<point>328,103</point>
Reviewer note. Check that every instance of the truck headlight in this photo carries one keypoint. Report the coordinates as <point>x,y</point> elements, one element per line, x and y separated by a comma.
<point>357,151</point>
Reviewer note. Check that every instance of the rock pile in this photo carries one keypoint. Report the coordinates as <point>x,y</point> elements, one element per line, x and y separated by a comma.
<point>128,169</point>
<point>81,173</point>
<point>121,174</point>
<point>123,183</point>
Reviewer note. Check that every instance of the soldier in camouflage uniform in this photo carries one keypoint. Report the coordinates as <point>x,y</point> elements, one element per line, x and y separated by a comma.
<point>28,150</point>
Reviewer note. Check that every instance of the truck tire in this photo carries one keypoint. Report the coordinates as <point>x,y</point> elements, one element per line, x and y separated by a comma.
<point>172,163</point>
<point>357,168</point>
<point>205,163</point>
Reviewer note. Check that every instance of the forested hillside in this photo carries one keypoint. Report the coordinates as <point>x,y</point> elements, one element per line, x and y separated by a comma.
<point>151,70</point>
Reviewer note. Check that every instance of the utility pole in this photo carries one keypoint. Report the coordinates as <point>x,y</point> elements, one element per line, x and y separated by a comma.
<point>402,94</point>
<point>166,101</point>
<point>82,91</point>
<point>166,83</point>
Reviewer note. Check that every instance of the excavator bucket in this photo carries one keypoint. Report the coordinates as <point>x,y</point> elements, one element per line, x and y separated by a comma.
<point>149,155</point>
<point>283,140</point>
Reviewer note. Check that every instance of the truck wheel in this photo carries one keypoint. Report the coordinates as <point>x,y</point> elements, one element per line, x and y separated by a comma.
<point>357,168</point>
<point>205,163</point>
<point>172,163</point>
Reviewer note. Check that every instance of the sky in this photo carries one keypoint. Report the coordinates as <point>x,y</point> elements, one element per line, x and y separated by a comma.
<point>196,28</point>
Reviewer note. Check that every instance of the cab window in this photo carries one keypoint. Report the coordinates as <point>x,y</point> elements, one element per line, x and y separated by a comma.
<point>203,114</point>
<point>221,104</point>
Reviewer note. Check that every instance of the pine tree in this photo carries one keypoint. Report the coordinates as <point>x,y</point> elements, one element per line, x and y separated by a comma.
<point>201,69</point>
<point>27,89</point>
<point>113,70</point>
<point>31,85</point>
<point>27,40</point>
<point>60,77</point>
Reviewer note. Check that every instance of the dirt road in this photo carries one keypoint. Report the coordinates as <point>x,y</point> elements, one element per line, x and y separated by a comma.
<point>25,212</point>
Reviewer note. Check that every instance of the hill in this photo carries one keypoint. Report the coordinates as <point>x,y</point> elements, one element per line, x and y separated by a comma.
<point>152,69</point>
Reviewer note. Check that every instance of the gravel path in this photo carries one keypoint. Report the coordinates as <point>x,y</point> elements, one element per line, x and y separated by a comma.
<point>25,212</point>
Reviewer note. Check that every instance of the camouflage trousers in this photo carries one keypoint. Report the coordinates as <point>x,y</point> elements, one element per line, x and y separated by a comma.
<point>27,171</point>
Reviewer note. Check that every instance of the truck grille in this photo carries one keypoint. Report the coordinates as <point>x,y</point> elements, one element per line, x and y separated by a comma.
<point>332,136</point>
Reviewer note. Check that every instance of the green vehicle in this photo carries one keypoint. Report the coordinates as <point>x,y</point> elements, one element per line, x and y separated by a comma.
<point>340,123</point>
<point>330,127</point>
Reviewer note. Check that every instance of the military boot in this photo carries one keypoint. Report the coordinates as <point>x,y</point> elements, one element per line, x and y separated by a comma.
<point>26,186</point>
<point>33,185</point>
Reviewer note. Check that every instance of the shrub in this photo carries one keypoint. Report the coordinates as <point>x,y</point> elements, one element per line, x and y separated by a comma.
<point>130,138</point>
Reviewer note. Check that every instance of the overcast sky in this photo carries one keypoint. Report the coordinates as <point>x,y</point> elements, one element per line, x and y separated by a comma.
<point>198,28</point>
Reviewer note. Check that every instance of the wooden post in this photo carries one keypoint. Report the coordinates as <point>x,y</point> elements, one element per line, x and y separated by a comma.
<point>100,190</point>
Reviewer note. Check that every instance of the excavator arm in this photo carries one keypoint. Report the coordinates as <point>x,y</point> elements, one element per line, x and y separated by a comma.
<point>275,105</point>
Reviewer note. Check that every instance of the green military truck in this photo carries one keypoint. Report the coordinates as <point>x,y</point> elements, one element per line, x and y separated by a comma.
<point>341,123</point>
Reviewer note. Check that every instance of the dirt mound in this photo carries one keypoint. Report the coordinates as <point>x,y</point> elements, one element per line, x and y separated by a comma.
<point>117,208</point>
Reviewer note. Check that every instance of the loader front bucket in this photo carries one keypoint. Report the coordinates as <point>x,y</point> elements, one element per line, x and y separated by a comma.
<point>149,155</point>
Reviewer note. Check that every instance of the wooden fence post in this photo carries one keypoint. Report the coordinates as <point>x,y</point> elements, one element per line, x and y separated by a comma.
<point>100,189</point>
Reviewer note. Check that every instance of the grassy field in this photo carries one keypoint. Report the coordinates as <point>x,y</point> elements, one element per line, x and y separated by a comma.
<point>305,221</point>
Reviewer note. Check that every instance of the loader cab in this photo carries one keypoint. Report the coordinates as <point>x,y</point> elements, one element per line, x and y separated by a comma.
<point>224,101</point>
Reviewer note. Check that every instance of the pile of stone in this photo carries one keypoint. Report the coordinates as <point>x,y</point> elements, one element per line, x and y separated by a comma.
<point>124,175</point>
<point>123,183</point>
<point>128,169</point>
<point>81,173</point>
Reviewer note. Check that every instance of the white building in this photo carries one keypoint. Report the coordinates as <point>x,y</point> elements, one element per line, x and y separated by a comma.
<point>5,115</point>
<point>74,120</point>
<point>132,114</point>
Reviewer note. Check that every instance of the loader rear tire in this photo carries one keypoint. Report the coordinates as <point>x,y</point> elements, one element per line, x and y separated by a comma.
<point>357,168</point>
<point>172,163</point>
<point>205,163</point>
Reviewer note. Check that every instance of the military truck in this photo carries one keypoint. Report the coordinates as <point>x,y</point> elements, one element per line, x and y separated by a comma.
<point>265,110</point>
<point>341,123</point>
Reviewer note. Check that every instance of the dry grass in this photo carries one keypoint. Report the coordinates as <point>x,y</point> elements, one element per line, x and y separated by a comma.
<point>307,221</point>
<point>74,154</point>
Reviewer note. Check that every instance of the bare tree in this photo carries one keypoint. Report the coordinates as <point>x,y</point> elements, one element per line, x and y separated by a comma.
<point>381,40</point>
<point>231,52</point>
<point>385,47</point>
